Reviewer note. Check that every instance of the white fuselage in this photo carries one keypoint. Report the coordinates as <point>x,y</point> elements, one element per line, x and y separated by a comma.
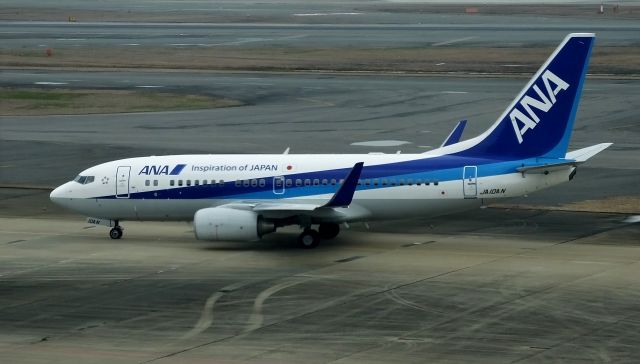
<point>392,186</point>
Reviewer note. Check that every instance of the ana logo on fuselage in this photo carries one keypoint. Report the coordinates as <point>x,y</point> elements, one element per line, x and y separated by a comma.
<point>552,85</point>
<point>161,170</point>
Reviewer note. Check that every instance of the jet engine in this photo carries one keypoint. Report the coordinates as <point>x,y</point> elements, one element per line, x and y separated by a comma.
<point>227,224</point>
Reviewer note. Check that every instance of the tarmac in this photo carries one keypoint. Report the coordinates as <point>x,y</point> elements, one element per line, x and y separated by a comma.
<point>539,282</point>
<point>491,285</point>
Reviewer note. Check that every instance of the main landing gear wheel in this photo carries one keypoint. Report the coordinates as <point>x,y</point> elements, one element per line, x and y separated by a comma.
<point>116,232</point>
<point>309,239</point>
<point>329,231</point>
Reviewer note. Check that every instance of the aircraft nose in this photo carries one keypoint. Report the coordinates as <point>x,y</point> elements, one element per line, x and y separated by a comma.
<point>58,194</point>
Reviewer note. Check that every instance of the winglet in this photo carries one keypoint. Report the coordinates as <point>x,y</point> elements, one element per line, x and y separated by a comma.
<point>344,194</point>
<point>455,134</point>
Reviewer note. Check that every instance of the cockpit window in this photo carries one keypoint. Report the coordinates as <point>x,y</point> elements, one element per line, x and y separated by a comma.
<point>83,180</point>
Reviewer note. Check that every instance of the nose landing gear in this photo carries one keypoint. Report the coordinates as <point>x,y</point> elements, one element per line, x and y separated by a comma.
<point>116,231</point>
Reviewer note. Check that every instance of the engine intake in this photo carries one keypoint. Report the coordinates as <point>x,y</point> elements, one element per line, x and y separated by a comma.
<point>226,224</point>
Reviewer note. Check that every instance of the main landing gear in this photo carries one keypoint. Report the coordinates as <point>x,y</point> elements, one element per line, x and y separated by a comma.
<point>310,238</point>
<point>116,231</point>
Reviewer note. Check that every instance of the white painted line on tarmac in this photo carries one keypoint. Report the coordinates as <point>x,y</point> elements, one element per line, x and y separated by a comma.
<point>131,44</point>
<point>189,44</point>
<point>632,219</point>
<point>149,86</point>
<point>452,41</point>
<point>325,14</point>
<point>71,39</point>
<point>381,143</point>
<point>49,83</point>
<point>454,92</point>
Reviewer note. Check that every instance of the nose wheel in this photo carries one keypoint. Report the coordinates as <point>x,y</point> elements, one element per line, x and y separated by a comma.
<point>116,232</point>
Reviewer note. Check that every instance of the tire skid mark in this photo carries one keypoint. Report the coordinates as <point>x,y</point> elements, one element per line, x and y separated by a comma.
<point>257,318</point>
<point>206,317</point>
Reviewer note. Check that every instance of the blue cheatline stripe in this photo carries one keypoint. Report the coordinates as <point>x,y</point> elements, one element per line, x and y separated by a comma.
<point>441,169</point>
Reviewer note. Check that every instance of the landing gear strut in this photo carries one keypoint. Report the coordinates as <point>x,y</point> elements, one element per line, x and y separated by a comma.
<point>116,231</point>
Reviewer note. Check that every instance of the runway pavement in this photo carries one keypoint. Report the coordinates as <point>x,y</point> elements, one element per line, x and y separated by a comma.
<point>489,286</point>
<point>493,285</point>
<point>428,31</point>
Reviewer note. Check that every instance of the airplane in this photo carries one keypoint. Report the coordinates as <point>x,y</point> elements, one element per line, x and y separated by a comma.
<point>244,197</point>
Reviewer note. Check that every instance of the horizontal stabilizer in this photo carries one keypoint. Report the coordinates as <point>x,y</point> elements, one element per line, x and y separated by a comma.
<point>455,134</point>
<point>584,154</point>
<point>546,167</point>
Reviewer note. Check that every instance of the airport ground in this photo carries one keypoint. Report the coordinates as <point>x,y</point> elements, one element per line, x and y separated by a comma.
<point>549,277</point>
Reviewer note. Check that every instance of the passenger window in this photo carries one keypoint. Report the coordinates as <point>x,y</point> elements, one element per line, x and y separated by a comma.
<point>341,180</point>
<point>367,181</point>
<point>289,182</point>
<point>435,183</point>
<point>254,183</point>
<point>359,182</point>
<point>333,181</point>
<point>147,183</point>
<point>393,182</point>
<point>155,182</point>
<point>188,182</point>
<point>384,182</point>
<point>410,182</point>
<point>307,182</point>
<point>238,183</point>
<point>179,182</point>
<point>245,183</point>
<point>325,182</point>
<point>262,183</point>
<point>196,183</point>
<point>402,182</point>
<point>418,182</point>
<point>375,182</point>
<point>316,182</point>
<point>220,183</point>
<point>172,183</point>
<point>298,182</point>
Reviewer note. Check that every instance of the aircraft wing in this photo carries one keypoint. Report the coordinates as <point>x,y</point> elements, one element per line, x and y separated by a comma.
<point>335,208</point>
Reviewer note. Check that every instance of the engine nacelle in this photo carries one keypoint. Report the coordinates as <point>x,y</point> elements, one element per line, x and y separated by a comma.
<point>220,223</point>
